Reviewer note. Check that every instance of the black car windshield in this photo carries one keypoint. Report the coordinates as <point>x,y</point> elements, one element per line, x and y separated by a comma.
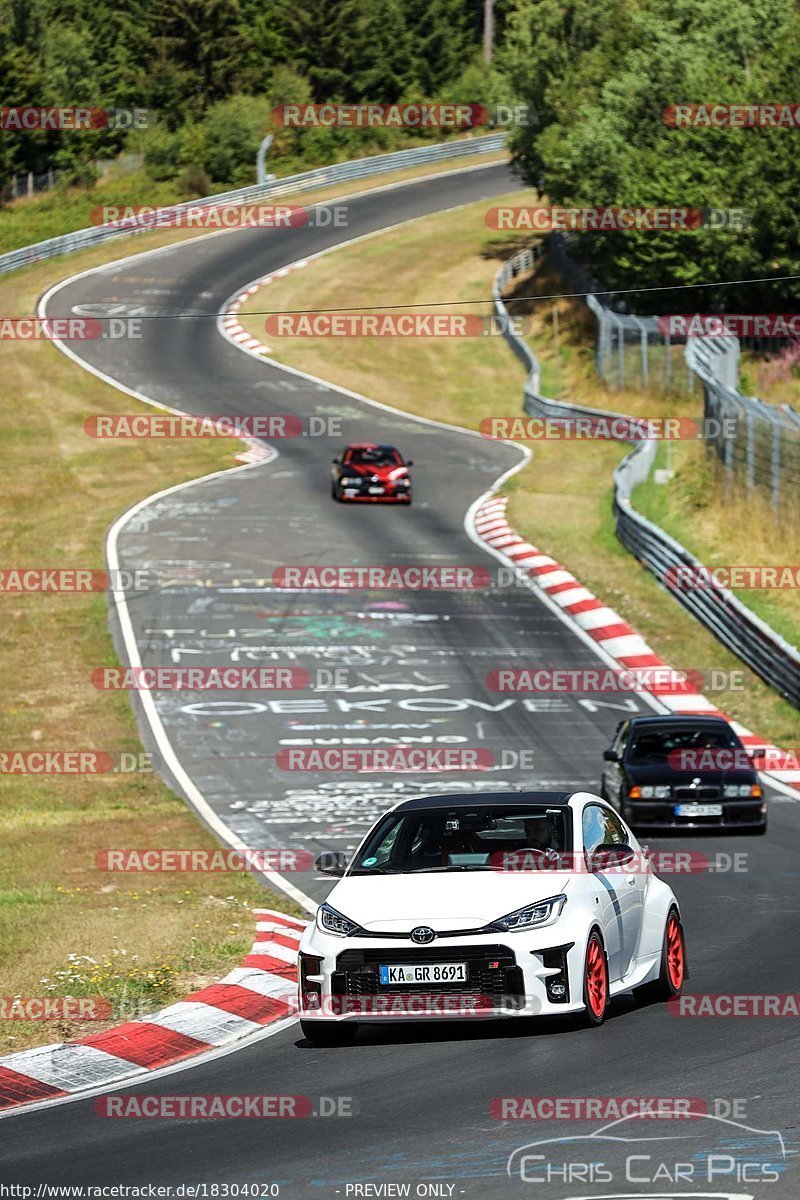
<point>377,456</point>
<point>656,745</point>
<point>472,839</point>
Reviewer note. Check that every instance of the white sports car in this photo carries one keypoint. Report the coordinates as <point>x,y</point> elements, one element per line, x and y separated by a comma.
<point>502,904</point>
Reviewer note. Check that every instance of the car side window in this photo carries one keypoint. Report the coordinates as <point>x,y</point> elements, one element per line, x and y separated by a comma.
<point>613,833</point>
<point>594,828</point>
<point>622,739</point>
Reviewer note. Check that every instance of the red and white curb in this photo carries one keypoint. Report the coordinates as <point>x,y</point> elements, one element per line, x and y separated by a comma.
<point>233,329</point>
<point>602,624</point>
<point>259,992</point>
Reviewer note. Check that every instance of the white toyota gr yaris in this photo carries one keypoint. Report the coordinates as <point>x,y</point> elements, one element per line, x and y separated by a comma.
<point>494,905</point>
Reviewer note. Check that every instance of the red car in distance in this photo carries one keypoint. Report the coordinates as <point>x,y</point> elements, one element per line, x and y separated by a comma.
<point>371,473</point>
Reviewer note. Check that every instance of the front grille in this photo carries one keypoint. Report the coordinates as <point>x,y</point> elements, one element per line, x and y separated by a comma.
<point>700,794</point>
<point>357,972</point>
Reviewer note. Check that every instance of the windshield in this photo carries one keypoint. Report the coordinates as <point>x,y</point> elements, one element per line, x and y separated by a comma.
<point>460,839</point>
<point>377,456</point>
<point>657,746</point>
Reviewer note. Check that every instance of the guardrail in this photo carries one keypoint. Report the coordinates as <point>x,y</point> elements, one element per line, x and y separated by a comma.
<point>361,168</point>
<point>731,621</point>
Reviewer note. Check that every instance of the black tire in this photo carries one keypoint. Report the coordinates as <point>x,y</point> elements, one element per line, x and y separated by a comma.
<point>665,987</point>
<point>334,491</point>
<point>329,1033</point>
<point>595,1014</point>
<point>762,829</point>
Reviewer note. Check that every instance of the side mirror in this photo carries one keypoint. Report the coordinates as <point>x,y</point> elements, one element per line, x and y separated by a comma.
<point>409,462</point>
<point>610,756</point>
<point>606,858</point>
<point>758,754</point>
<point>332,862</point>
<point>336,460</point>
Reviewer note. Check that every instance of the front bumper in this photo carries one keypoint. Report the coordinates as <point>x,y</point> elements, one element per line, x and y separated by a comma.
<point>360,494</point>
<point>507,976</point>
<point>660,814</point>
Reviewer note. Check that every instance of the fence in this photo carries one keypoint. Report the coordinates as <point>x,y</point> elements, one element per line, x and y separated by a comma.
<point>361,168</point>
<point>754,642</point>
<point>757,443</point>
<point>630,351</point>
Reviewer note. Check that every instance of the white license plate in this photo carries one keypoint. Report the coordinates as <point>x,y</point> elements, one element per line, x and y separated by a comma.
<point>430,973</point>
<point>698,810</point>
<point>375,491</point>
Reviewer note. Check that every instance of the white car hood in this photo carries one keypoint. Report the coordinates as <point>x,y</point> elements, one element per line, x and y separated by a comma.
<point>461,900</point>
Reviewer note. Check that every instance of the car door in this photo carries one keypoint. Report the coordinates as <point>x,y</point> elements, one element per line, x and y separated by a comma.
<point>631,881</point>
<point>607,886</point>
<point>612,779</point>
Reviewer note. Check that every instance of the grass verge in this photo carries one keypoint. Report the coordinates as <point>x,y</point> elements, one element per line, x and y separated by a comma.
<point>562,501</point>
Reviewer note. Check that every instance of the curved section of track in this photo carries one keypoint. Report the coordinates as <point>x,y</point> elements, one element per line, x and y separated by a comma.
<point>416,665</point>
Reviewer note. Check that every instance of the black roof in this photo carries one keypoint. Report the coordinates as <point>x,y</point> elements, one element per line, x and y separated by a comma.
<point>486,799</point>
<point>679,719</point>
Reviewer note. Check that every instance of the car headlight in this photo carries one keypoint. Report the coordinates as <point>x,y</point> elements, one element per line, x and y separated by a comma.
<point>659,792</point>
<point>350,480</point>
<point>741,790</point>
<point>331,921</point>
<point>544,912</point>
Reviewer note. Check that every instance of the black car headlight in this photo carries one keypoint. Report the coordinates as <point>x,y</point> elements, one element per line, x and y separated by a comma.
<point>331,921</point>
<point>532,916</point>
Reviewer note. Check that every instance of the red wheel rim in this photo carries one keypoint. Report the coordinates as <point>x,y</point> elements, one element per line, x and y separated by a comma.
<point>674,951</point>
<point>596,977</point>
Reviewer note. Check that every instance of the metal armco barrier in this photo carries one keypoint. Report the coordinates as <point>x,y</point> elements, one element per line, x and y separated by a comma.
<point>362,168</point>
<point>731,622</point>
